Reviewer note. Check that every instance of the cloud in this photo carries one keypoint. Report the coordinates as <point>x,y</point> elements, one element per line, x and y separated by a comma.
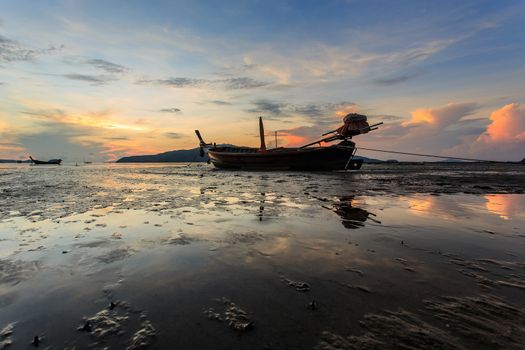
<point>321,117</point>
<point>61,140</point>
<point>93,79</point>
<point>508,124</point>
<point>504,137</point>
<point>238,83</point>
<point>242,83</point>
<point>268,107</point>
<point>438,130</point>
<point>453,130</point>
<point>322,63</point>
<point>312,111</point>
<point>442,116</point>
<point>422,52</point>
<point>178,82</point>
<point>220,103</point>
<point>389,118</point>
<point>281,74</point>
<point>299,136</point>
<point>100,120</point>
<point>12,50</point>
<point>170,110</point>
<point>48,113</point>
<point>396,79</point>
<point>56,132</point>
<point>117,138</point>
<point>174,135</point>
<point>8,150</point>
<point>107,66</point>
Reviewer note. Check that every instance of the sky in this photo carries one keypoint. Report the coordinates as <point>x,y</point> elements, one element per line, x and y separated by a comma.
<point>99,80</point>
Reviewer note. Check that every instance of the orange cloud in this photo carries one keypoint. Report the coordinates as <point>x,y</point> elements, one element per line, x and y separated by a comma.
<point>508,123</point>
<point>505,136</point>
<point>421,116</point>
<point>8,151</point>
<point>292,140</point>
<point>441,116</point>
<point>345,110</point>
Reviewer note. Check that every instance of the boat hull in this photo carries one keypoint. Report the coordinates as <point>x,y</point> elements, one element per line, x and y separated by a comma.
<point>318,158</point>
<point>50,162</point>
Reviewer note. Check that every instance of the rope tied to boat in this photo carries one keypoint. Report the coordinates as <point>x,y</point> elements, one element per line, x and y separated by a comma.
<point>430,155</point>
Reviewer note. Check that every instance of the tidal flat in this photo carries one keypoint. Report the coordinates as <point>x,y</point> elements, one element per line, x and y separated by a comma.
<point>167,256</point>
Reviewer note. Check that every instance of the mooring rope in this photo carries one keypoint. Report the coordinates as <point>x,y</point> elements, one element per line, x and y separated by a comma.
<point>429,155</point>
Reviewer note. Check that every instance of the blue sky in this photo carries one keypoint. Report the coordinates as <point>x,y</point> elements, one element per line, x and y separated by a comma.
<point>105,79</point>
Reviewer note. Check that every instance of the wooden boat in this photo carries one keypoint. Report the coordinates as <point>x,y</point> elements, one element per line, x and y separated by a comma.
<point>335,157</point>
<point>51,161</point>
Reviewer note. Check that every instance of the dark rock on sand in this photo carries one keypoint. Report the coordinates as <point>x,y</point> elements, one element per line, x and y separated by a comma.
<point>143,337</point>
<point>298,285</point>
<point>5,336</point>
<point>235,317</point>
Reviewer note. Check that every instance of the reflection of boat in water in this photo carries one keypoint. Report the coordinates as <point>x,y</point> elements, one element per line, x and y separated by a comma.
<point>351,216</point>
<point>335,157</point>
<point>51,161</point>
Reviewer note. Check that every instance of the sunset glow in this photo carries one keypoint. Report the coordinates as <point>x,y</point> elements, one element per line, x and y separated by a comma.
<point>89,79</point>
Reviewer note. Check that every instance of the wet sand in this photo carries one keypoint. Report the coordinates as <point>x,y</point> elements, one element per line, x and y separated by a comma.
<point>174,256</point>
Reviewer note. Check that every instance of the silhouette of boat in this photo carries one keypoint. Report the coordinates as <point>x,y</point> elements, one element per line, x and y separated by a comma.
<point>335,157</point>
<point>51,161</point>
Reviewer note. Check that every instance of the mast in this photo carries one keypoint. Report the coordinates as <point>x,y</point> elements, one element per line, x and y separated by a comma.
<point>276,139</point>
<point>261,135</point>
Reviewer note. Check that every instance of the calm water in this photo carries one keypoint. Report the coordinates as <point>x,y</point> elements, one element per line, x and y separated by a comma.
<point>176,256</point>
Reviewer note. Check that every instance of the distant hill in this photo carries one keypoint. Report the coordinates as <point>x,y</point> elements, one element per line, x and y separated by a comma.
<point>192,155</point>
<point>449,160</point>
<point>14,161</point>
<point>183,155</point>
<point>373,160</point>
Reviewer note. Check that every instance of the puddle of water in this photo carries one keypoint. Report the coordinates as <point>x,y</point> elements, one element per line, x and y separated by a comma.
<point>190,257</point>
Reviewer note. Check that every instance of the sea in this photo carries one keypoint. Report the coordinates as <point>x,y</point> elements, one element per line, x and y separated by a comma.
<point>184,256</point>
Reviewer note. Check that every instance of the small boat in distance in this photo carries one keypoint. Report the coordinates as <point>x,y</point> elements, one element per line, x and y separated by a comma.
<point>51,161</point>
<point>334,157</point>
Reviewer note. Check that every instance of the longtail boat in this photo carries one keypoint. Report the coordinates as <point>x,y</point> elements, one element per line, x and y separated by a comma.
<point>306,157</point>
<point>51,161</point>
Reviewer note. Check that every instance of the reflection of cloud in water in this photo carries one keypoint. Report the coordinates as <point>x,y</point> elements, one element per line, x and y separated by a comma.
<point>352,216</point>
<point>506,206</point>
<point>442,207</point>
<point>278,245</point>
